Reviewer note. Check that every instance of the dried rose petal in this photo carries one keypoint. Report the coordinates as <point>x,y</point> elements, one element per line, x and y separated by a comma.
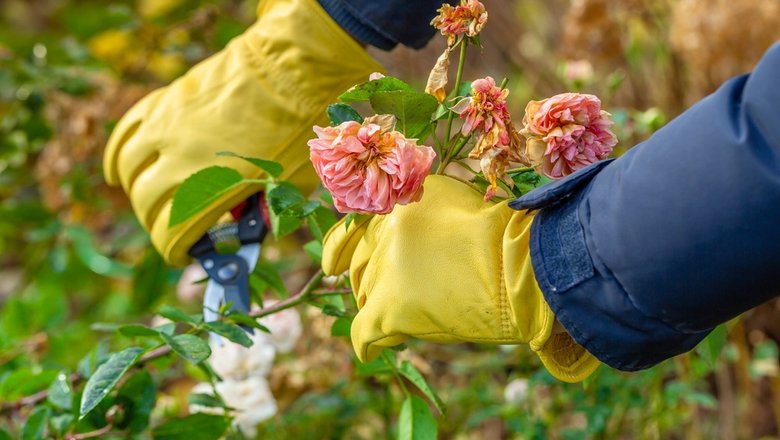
<point>437,80</point>
<point>468,18</point>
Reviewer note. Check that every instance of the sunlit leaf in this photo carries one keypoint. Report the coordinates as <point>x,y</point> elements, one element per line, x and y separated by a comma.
<point>230,331</point>
<point>105,378</point>
<point>272,168</point>
<point>412,109</point>
<point>201,190</point>
<point>416,421</point>
<point>188,346</point>
<point>364,91</point>
<point>408,371</point>
<point>338,113</point>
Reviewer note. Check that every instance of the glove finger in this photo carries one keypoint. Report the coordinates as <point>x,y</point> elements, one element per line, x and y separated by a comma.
<point>369,337</point>
<point>127,152</point>
<point>339,245</point>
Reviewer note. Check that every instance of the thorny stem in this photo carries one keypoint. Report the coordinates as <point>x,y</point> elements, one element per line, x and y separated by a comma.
<point>308,291</point>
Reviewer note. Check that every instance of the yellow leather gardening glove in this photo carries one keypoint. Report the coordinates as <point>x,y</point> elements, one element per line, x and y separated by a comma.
<point>258,97</point>
<point>450,268</point>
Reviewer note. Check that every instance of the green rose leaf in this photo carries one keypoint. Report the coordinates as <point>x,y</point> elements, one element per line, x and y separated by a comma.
<point>201,190</point>
<point>194,427</point>
<point>273,169</point>
<point>206,400</point>
<point>364,91</point>
<point>36,424</point>
<point>176,315</point>
<point>229,331</point>
<point>416,421</point>
<point>526,180</point>
<point>320,221</point>
<point>412,109</point>
<point>190,347</point>
<point>138,396</point>
<point>408,371</point>
<point>339,113</point>
<point>105,378</point>
<point>138,330</point>
<point>60,392</point>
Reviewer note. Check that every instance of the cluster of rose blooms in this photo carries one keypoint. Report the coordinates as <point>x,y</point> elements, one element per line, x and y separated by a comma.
<point>369,168</point>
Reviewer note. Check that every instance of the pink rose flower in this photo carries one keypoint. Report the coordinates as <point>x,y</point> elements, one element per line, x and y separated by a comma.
<point>566,132</point>
<point>468,18</point>
<point>368,170</point>
<point>486,115</point>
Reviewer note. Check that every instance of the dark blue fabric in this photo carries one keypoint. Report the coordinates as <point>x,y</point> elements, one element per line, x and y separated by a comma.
<point>682,232</point>
<point>385,24</point>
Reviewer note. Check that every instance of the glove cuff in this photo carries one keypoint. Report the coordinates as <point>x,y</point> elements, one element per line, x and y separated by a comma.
<point>564,359</point>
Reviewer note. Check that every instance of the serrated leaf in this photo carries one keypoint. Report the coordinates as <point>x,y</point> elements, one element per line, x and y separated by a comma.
<point>364,91</point>
<point>526,180</point>
<point>412,109</point>
<point>105,378</point>
<point>137,330</point>
<point>60,392</point>
<point>284,199</point>
<point>36,424</point>
<point>176,315</point>
<point>201,190</point>
<point>341,327</point>
<point>92,360</point>
<point>377,367</point>
<point>339,113</point>
<point>273,169</point>
<point>194,427</point>
<point>138,396</point>
<point>408,371</point>
<point>416,421</point>
<point>230,331</point>
<point>190,347</point>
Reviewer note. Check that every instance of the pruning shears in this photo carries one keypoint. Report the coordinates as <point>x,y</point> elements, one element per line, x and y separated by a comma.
<point>229,253</point>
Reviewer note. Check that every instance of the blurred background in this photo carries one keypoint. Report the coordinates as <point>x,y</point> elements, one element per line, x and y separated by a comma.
<point>72,256</point>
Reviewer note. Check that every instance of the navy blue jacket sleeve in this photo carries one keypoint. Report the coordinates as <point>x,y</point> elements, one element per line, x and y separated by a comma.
<point>387,23</point>
<point>641,257</point>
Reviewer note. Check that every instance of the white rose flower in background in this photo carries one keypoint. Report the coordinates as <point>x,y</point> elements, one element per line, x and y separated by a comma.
<point>516,391</point>
<point>187,290</point>
<point>251,398</point>
<point>233,361</point>
<point>285,328</point>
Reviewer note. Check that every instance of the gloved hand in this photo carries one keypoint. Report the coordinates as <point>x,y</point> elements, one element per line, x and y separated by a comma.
<point>258,97</point>
<point>450,268</point>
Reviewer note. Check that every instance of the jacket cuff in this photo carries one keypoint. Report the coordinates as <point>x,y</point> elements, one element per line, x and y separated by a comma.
<point>582,292</point>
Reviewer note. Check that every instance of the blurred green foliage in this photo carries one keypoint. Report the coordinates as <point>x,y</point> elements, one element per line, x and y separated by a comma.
<point>75,265</point>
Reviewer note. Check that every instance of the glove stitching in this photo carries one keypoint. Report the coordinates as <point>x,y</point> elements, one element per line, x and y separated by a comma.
<point>502,292</point>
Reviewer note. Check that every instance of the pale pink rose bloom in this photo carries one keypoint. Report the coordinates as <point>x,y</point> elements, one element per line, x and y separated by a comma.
<point>251,400</point>
<point>567,132</point>
<point>285,327</point>
<point>467,18</point>
<point>368,170</point>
